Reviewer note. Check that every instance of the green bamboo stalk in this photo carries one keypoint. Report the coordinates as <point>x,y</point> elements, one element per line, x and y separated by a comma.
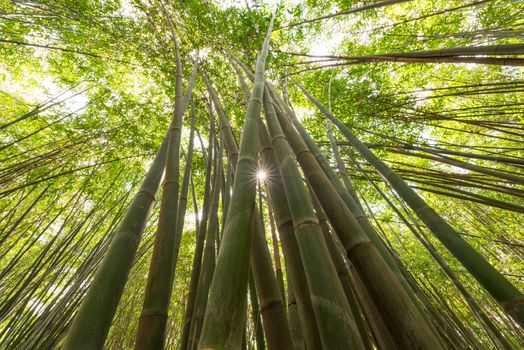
<point>225,313</point>
<point>491,329</point>
<point>308,332</point>
<point>244,340</point>
<point>225,187</point>
<point>505,293</point>
<point>444,325</point>
<point>200,239</point>
<point>255,315</point>
<point>195,205</point>
<point>331,308</point>
<point>285,228</point>
<point>272,304</point>
<point>182,203</point>
<point>294,322</point>
<point>152,323</point>
<point>340,165</point>
<point>90,327</point>
<point>450,55</point>
<point>208,262</point>
<point>382,336</point>
<point>276,251</point>
<point>225,126</point>
<point>276,327</point>
<point>352,202</point>
<point>343,272</point>
<point>401,315</point>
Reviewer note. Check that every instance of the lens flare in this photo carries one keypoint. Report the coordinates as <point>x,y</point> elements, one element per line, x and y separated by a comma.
<point>261,175</point>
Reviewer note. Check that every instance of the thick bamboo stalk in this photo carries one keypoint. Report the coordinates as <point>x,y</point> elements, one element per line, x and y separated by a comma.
<point>321,276</point>
<point>271,300</point>
<point>506,294</point>
<point>276,327</point>
<point>343,272</point>
<point>152,323</point>
<point>302,314</point>
<point>382,336</point>
<point>401,315</point>
<point>91,324</point>
<point>272,303</point>
<point>225,313</point>
<point>351,202</point>
<point>450,55</point>
<point>294,323</point>
<point>295,270</point>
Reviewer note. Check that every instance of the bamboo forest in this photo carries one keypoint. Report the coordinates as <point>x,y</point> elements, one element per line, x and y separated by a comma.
<point>261,174</point>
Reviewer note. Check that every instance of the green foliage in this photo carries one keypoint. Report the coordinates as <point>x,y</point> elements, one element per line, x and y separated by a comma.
<point>86,96</point>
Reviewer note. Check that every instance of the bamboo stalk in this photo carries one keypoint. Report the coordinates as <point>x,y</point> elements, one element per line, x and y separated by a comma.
<point>321,276</point>
<point>225,312</point>
<point>208,262</point>
<point>255,314</point>
<point>153,320</point>
<point>200,240</point>
<point>91,324</point>
<point>308,333</point>
<point>408,327</point>
<point>506,294</point>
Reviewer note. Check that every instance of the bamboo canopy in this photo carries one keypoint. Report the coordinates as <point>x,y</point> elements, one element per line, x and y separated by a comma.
<point>261,175</point>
